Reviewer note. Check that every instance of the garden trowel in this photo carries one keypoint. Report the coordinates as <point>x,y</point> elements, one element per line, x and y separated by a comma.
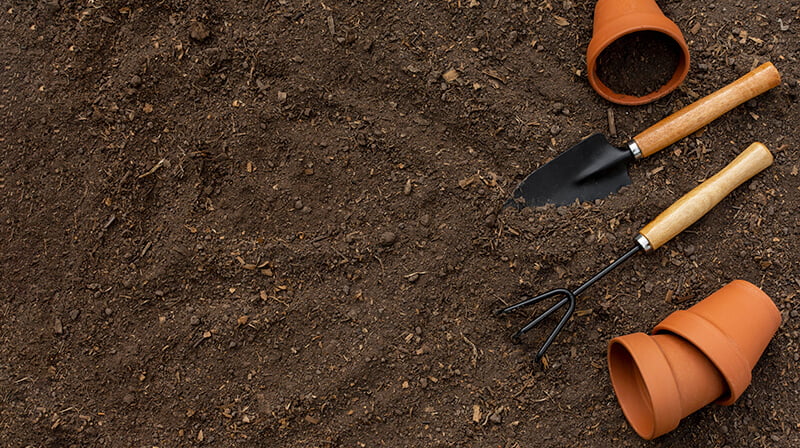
<point>594,168</point>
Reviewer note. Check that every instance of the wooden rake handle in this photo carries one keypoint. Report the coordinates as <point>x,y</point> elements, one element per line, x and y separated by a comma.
<point>696,203</point>
<point>707,109</point>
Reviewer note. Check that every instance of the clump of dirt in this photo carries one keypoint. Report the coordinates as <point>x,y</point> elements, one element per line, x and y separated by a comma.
<point>639,63</point>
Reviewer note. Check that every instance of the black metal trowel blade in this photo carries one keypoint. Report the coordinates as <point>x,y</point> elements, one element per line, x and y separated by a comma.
<point>590,170</point>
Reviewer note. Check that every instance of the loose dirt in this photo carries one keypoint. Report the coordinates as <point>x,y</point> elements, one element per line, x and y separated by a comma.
<point>638,63</point>
<point>280,223</point>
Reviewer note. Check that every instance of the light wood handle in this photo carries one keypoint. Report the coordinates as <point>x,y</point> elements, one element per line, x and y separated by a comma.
<point>707,109</point>
<point>696,203</point>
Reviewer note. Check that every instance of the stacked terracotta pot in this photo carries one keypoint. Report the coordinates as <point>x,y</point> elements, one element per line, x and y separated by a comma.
<point>692,358</point>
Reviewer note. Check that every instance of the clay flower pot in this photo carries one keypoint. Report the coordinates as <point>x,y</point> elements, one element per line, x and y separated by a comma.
<point>694,357</point>
<point>614,19</point>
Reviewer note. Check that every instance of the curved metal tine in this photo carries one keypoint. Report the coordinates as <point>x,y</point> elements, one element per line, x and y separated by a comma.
<point>532,300</point>
<point>568,297</point>
<point>559,327</point>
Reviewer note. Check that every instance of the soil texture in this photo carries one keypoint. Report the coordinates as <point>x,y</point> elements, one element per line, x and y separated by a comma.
<point>279,223</point>
<point>638,63</point>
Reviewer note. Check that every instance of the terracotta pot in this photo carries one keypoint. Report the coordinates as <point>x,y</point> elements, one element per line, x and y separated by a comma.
<point>616,18</point>
<point>656,379</point>
<point>693,357</point>
<point>732,327</point>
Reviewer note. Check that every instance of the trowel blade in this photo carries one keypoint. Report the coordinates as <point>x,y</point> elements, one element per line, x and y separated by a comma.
<point>590,170</point>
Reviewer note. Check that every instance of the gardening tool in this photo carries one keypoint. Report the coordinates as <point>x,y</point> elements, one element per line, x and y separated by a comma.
<point>680,215</point>
<point>594,168</point>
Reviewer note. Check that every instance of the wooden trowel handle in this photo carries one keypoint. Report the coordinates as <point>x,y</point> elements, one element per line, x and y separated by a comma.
<point>696,203</point>
<point>707,109</point>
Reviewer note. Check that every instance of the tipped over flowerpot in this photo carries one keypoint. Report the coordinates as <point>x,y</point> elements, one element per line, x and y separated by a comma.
<point>694,357</point>
<point>636,54</point>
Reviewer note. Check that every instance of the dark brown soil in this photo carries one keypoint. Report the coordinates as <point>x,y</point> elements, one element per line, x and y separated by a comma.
<point>638,63</point>
<point>279,223</point>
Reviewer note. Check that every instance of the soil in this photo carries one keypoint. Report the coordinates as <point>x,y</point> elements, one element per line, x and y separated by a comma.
<point>638,63</point>
<point>280,223</point>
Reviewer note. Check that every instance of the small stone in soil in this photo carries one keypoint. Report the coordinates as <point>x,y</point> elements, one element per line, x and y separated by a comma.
<point>425,220</point>
<point>407,188</point>
<point>194,320</point>
<point>52,6</point>
<point>198,31</point>
<point>388,238</point>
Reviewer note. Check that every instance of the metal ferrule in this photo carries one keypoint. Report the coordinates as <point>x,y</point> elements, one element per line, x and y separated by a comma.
<point>644,242</point>
<point>633,147</point>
